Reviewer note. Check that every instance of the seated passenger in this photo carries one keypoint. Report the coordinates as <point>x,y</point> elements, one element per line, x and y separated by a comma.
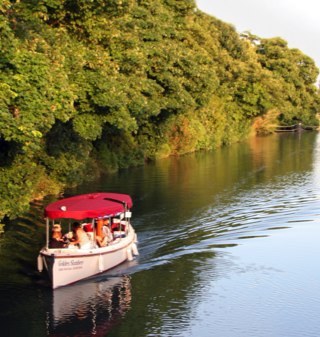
<point>80,237</point>
<point>56,240</point>
<point>104,235</point>
<point>88,228</point>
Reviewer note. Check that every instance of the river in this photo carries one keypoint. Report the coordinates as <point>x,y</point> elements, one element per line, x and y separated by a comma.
<point>228,243</point>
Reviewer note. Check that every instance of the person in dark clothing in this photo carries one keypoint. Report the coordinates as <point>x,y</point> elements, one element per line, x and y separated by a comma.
<point>56,240</point>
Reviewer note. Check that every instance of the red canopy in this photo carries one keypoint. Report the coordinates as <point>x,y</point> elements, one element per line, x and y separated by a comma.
<point>93,205</point>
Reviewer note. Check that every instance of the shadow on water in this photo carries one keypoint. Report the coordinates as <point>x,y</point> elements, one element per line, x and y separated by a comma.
<point>19,246</point>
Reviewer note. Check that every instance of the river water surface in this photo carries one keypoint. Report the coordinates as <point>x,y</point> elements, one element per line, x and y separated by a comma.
<point>228,242</point>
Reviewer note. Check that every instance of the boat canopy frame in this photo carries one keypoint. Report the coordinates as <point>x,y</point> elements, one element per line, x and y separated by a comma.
<point>88,206</point>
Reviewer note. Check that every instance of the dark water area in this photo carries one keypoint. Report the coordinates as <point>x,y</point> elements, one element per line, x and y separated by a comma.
<point>228,243</point>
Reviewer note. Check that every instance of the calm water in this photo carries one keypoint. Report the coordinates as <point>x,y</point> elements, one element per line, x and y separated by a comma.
<point>228,242</point>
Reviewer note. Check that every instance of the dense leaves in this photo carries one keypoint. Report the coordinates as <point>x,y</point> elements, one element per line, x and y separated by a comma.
<point>93,86</point>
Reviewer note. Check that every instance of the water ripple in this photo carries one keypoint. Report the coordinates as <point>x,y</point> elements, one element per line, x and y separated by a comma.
<point>237,215</point>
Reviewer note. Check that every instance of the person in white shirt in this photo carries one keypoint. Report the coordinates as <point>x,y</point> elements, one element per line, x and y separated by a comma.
<point>104,235</point>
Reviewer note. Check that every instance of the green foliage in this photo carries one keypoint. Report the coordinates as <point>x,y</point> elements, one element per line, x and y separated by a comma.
<point>181,6</point>
<point>184,133</point>
<point>296,74</point>
<point>87,126</point>
<point>66,156</point>
<point>117,150</point>
<point>19,183</point>
<point>95,86</point>
<point>266,124</point>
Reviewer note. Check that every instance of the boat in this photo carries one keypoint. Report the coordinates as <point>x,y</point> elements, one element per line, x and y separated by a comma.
<point>72,262</point>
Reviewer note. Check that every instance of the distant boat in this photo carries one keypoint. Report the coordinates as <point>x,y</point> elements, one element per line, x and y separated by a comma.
<point>71,263</point>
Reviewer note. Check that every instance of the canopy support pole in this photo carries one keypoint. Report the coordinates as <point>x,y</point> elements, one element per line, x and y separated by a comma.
<point>47,233</point>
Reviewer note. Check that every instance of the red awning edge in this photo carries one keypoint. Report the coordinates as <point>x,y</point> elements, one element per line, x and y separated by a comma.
<point>92,205</point>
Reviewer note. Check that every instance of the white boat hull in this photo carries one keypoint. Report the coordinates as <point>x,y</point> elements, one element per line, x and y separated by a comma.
<point>66,266</point>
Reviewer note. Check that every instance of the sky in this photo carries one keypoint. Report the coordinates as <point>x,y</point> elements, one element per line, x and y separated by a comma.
<point>296,21</point>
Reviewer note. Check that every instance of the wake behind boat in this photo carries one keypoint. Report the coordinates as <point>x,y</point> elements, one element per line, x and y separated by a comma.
<point>101,238</point>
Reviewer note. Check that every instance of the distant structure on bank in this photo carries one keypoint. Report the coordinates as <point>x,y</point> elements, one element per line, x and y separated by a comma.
<point>295,128</point>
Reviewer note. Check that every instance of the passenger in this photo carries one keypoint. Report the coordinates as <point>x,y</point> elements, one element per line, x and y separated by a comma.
<point>104,235</point>
<point>56,240</point>
<point>80,237</point>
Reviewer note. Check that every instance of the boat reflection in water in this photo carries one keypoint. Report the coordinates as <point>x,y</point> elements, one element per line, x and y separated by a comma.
<point>89,308</point>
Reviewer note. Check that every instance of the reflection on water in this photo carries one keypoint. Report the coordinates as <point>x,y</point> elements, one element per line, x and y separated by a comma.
<point>19,246</point>
<point>89,308</point>
<point>264,188</point>
<point>205,225</point>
